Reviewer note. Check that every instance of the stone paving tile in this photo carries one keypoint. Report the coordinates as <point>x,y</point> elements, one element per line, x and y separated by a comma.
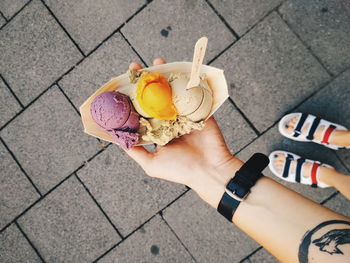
<point>154,242</point>
<point>8,104</point>
<point>109,60</point>
<point>272,140</point>
<point>324,26</point>
<point>10,7</point>
<point>67,226</point>
<point>235,129</point>
<point>269,71</point>
<point>201,229</point>
<point>16,191</point>
<point>48,140</point>
<point>124,191</point>
<point>262,256</point>
<point>162,30</point>
<point>15,248</point>
<point>339,204</point>
<point>34,51</point>
<point>332,103</point>
<point>89,21</point>
<point>241,15</point>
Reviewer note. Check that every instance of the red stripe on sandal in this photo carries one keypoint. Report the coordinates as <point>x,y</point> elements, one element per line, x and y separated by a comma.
<point>327,134</point>
<point>314,173</point>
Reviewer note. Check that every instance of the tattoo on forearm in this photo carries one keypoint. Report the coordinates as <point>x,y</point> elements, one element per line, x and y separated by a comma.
<point>328,238</point>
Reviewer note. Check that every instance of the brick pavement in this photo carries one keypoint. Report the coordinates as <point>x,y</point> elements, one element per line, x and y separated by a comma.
<point>66,199</point>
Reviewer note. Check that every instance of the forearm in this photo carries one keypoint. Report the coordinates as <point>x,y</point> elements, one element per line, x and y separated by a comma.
<point>277,217</point>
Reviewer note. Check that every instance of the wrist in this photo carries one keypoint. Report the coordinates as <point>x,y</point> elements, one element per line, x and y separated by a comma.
<point>211,181</point>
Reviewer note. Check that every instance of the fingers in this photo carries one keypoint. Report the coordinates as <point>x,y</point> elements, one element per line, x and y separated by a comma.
<point>158,61</point>
<point>140,155</point>
<point>135,65</point>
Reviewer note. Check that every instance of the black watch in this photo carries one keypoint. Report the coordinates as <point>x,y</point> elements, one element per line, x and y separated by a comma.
<point>239,186</point>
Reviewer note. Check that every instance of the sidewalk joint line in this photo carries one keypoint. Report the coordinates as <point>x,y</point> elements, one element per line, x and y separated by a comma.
<point>244,117</point>
<point>74,66</point>
<point>63,28</point>
<point>20,167</point>
<point>308,48</point>
<point>26,107</point>
<point>140,226</point>
<point>99,206</point>
<point>221,52</point>
<point>251,254</point>
<point>12,92</point>
<point>125,238</point>
<point>30,242</point>
<point>223,20</point>
<point>341,161</point>
<point>249,29</point>
<point>178,238</point>
<point>64,94</point>
<point>118,29</point>
<point>323,86</point>
<point>3,16</point>
<point>137,53</point>
<point>15,14</point>
<point>54,187</point>
<point>329,197</point>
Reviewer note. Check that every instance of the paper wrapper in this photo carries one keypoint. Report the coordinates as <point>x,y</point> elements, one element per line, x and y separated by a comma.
<point>214,76</point>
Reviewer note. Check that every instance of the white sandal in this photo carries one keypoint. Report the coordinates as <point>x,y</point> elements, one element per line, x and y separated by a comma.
<point>296,177</point>
<point>314,122</point>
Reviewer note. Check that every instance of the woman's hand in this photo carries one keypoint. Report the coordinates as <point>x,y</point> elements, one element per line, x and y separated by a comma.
<point>200,160</point>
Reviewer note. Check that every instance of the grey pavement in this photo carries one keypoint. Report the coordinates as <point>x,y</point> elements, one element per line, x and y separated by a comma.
<point>66,197</point>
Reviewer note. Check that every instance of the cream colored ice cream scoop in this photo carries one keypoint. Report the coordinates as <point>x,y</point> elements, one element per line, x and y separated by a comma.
<point>195,103</point>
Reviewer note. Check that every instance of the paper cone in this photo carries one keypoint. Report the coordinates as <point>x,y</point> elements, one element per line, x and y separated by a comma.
<point>215,78</point>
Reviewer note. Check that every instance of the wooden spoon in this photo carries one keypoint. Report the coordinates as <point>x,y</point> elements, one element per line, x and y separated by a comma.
<point>198,56</point>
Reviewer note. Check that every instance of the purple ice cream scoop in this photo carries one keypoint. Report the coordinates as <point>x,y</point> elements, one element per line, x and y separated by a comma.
<point>114,112</point>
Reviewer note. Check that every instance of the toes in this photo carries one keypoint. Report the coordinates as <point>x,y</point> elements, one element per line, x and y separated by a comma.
<point>278,161</point>
<point>289,126</point>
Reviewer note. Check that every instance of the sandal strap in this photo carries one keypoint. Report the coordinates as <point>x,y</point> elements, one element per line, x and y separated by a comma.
<point>313,128</point>
<point>289,158</point>
<point>327,134</point>
<point>297,130</point>
<point>300,163</point>
<point>314,169</point>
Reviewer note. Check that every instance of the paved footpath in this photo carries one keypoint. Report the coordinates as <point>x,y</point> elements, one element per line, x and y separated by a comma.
<point>65,197</point>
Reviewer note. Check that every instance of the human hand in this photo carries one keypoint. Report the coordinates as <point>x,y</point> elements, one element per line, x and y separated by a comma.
<point>200,160</point>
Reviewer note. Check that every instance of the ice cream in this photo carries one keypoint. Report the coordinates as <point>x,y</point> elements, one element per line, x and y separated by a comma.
<point>161,132</point>
<point>194,103</point>
<point>154,97</point>
<point>114,112</point>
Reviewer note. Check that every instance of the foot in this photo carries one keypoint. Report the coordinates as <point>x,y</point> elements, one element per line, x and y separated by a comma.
<point>279,160</point>
<point>338,137</point>
<point>290,126</point>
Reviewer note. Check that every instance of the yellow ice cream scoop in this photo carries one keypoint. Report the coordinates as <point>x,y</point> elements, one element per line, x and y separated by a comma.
<point>154,96</point>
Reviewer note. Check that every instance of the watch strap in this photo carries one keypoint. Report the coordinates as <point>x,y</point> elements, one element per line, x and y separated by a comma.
<point>239,186</point>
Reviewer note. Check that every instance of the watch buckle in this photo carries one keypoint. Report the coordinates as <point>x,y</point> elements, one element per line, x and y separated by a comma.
<point>235,196</point>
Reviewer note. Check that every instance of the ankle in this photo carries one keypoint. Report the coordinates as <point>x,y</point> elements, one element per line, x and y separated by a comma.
<point>341,138</point>
<point>331,176</point>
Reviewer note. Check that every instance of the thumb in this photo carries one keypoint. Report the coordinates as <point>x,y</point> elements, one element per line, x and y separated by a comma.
<point>140,155</point>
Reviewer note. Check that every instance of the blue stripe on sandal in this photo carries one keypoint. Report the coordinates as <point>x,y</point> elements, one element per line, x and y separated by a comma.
<point>313,128</point>
<point>289,158</point>
<point>300,163</point>
<point>300,124</point>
